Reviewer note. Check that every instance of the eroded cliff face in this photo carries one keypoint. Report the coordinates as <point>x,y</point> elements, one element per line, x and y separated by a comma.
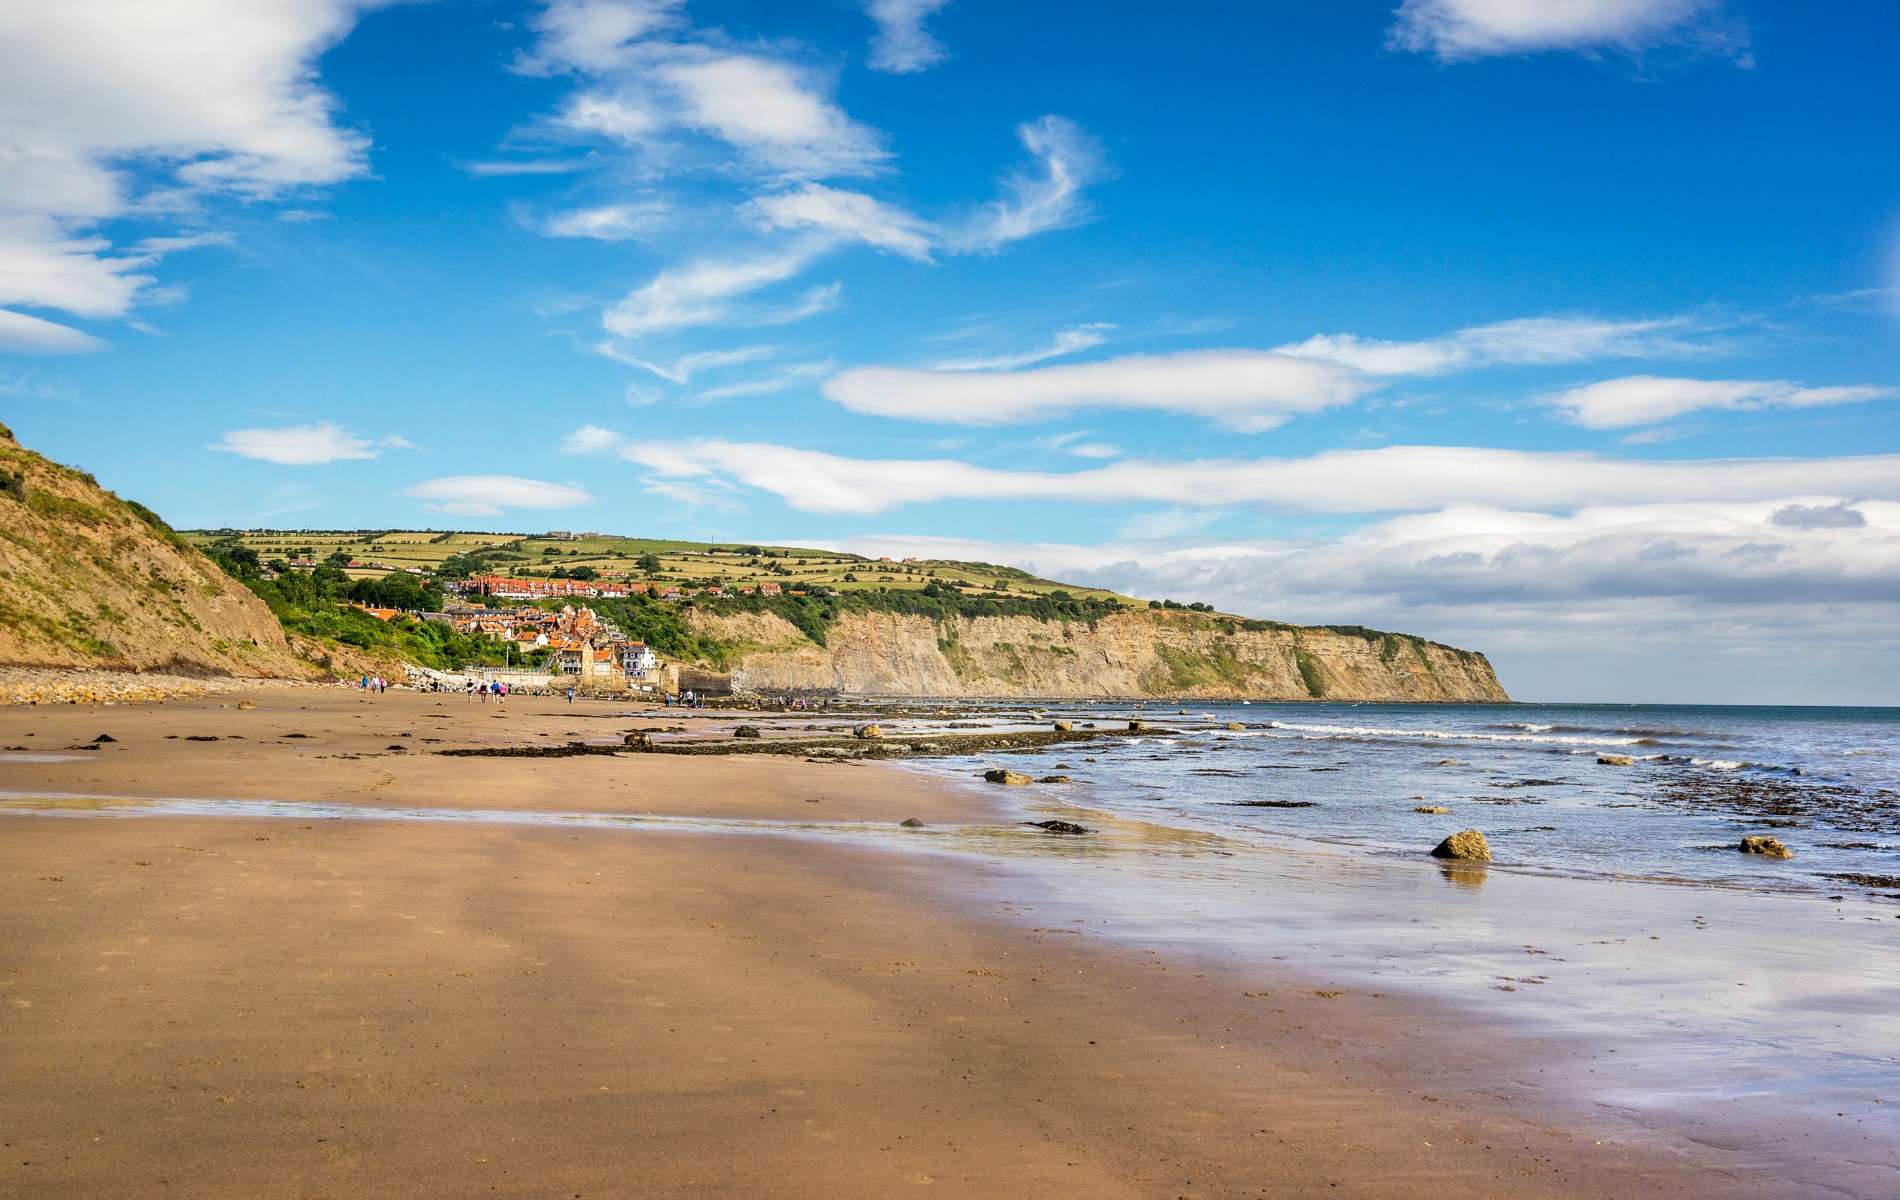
<point>87,580</point>
<point>1141,653</point>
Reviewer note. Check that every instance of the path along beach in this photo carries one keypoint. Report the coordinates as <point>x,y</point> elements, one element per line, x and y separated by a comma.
<point>287,950</point>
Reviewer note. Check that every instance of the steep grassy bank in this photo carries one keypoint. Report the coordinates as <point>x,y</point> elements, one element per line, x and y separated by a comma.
<point>90,580</point>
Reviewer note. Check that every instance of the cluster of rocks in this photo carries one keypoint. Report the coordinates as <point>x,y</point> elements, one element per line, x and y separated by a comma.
<point>64,685</point>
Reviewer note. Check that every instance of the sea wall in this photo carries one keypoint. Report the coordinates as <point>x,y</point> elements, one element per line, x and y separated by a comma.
<point>1135,654</point>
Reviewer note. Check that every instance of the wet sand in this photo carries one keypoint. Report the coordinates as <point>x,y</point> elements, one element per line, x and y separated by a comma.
<point>214,1006</point>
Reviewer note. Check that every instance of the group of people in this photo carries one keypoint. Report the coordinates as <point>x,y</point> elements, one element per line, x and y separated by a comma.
<point>375,684</point>
<point>495,688</point>
<point>685,699</point>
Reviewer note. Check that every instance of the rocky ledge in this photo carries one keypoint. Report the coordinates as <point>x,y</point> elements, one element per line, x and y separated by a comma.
<point>58,685</point>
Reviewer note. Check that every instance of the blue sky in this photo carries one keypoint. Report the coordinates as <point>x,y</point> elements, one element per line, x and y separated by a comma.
<point>1561,329</point>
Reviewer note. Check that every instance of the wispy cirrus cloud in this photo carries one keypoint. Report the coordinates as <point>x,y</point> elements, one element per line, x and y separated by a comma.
<point>306,445</point>
<point>847,216</point>
<point>491,495</point>
<point>1467,29</point>
<point>1390,479</point>
<point>21,333</point>
<point>1526,341</point>
<point>1246,390</point>
<point>1254,390</point>
<point>609,222</point>
<point>686,366</point>
<point>662,99</point>
<point>1650,399</point>
<point>902,44</point>
<point>1066,341</point>
<point>653,83</point>
<point>710,291</point>
<point>789,376</point>
<point>1047,193</point>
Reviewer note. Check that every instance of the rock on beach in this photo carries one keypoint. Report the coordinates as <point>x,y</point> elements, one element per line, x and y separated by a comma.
<point>1468,845</point>
<point>1772,847</point>
<point>1005,775</point>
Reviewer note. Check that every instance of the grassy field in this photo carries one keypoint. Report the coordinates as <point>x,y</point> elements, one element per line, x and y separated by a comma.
<point>695,563</point>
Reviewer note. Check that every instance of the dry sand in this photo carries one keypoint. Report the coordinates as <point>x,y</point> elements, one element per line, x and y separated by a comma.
<point>244,1007</point>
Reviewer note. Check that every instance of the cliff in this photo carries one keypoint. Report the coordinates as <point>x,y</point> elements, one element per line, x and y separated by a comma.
<point>90,580</point>
<point>1134,654</point>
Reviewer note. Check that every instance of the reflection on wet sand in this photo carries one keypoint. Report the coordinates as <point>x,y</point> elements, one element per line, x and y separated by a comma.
<point>1464,874</point>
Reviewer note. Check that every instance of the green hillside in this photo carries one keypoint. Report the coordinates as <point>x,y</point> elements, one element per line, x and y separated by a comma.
<point>458,555</point>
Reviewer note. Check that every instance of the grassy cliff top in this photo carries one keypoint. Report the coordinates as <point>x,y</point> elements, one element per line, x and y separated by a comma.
<point>693,563</point>
<point>863,584</point>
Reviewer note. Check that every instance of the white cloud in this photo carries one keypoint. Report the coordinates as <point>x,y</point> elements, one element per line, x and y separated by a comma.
<point>1391,479</point>
<point>528,166</point>
<point>1045,196</point>
<point>774,113</point>
<point>1248,390</point>
<point>1527,341</point>
<point>591,439</point>
<point>790,376</point>
<point>608,223</point>
<point>1647,399</point>
<point>902,44</point>
<point>597,35</point>
<point>305,445</point>
<point>846,215</point>
<point>1466,29</point>
<point>704,292</point>
<point>688,365</point>
<point>490,495</point>
<point>1067,341</point>
<point>116,106</point>
<point>23,334</point>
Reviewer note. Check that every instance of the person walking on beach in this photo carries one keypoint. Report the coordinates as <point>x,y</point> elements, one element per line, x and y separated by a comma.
<point>570,697</point>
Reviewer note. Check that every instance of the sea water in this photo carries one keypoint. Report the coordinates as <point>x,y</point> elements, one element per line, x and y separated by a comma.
<point>1727,1000</point>
<point>1825,781</point>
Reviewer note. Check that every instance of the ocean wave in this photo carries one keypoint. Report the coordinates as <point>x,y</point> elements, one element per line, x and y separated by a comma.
<point>1371,733</point>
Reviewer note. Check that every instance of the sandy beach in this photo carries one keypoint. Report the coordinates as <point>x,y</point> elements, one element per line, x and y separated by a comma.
<point>316,1006</point>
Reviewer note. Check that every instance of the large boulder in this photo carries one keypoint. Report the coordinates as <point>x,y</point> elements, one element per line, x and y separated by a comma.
<point>1235,725</point>
<point>1468,845</point>
<point>747,731</point>
<point>1065,726</point>
<point>1616,760</point>
<point>1005,775</point>
<point>1769,846</point>
<point>1431,809</point>
<point>868,732</point>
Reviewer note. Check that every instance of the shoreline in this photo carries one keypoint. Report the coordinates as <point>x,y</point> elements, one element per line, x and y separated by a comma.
<point>914,918</point>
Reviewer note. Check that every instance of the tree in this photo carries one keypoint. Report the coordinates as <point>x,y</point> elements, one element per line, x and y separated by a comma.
<point>650,563</point>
